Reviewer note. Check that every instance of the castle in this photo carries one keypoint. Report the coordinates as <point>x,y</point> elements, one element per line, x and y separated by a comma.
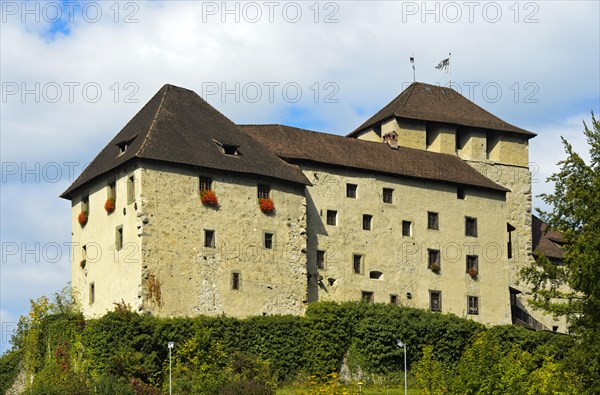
<point>426,204</point>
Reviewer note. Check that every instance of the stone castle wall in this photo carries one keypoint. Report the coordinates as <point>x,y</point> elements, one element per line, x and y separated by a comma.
<point>182,277</point>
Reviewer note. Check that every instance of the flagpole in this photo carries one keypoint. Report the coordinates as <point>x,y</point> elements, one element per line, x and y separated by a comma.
<point>412,61</point>
<point>450,67</point>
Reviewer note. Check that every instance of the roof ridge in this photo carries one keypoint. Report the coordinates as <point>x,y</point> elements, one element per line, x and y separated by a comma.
<point>412,89</point>
<point>154,120</point>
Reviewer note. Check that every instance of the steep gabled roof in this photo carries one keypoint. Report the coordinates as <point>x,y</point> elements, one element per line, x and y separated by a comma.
<point>545,240</point>
<point>438,104</point>
<point>178,126</point>
<point>297,145</point>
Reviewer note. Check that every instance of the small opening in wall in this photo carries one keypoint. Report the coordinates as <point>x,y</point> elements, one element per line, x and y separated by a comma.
<point>409,295</point>
<point>376,275</point>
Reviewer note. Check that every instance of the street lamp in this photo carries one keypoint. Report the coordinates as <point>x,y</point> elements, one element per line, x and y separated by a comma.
<point>403,345</point>
<point>170,345</point>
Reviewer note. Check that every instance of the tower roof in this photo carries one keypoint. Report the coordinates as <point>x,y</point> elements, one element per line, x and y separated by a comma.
<point>438,104</point>
<point>178,126</point>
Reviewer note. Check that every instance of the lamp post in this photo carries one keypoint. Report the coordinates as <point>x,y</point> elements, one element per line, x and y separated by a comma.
<point>403,345</point>
<point>170,345</point>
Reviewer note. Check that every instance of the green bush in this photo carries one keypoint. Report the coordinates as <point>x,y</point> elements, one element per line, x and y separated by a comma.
<point>10,363</point>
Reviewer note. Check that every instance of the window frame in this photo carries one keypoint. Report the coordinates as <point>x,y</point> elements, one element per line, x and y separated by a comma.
<point>367,222</point>
<point>388,195</point>
<point>92,293</point>
<point>320,263</point>
<point>131,188</point>
<point>119,238</point>
<point>367,297</point>
<point>268,240</point>
<point>236,281</point>
<point>472,305</point>
<point>360,262</point>
<point>431,252</point>
<point>404,223</point>
<point>351,190</point>
<point>431,215</point>
<point>331,214</point>
<point>203,181</point>
<point>393,299</point>
<point>438,295</point>
<point>210,242</point>
<point>263,191</point>
<point>474,265</point>
<point>471,230</point>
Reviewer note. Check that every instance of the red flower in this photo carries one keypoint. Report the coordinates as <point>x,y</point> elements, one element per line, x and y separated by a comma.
<point>473,272</point>
<point>209,198</point>
<point>83,218</point>
<point>266,205</point>
<point>109,206</point>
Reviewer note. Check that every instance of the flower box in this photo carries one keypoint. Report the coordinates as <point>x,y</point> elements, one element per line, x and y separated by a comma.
<point>435,267</point>
<point>82,218</point>
<point>109,206</point>
<point>266,205</point>
<point>473,272</point>
<point>209,198</point>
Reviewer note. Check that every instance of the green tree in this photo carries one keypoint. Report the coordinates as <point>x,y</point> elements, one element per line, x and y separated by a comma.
<point>575,213</point>
<point>430,373</point>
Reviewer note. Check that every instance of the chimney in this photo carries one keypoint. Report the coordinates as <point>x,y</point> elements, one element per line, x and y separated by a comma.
<point>391,139</point>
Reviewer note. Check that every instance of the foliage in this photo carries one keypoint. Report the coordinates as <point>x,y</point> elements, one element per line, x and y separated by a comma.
<point>575,202</point>
<point>430,374</point>
<point>126,353</point>
<point>9,368</point>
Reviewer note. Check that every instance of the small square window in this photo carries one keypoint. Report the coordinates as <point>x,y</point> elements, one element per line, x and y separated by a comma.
<point>236,281</point>
<point>357,263</point>
<point>331,217</point>
<point>406,228</point>
<point>471,226</point>
<point>209,238</point>
<point>433,261</point>
<point>92,293</point>
<point>351,190</point>
<point>320,259</point>
<point>205,184</point>
<point>473,265</point>
<point>367,297</point>
<point>388,195</point>
<point>394,299</point>
<point>130,189</point>
<point>473,305</point>
<point>432,220</point>
<point>264,191</point>
<point>268,241</point>
<point>460,193</point>
<point>435,300</point>
<point>367,221</point>
<point>119,238</point>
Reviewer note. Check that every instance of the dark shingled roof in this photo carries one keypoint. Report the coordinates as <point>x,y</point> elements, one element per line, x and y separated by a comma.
<point>547,241</point>
<point>178,126</point>
<point>295,144</point>
<point>438,104</point>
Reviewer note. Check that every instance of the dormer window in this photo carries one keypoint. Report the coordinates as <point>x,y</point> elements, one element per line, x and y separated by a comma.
<point>228,149</point>
<point>124,145</point>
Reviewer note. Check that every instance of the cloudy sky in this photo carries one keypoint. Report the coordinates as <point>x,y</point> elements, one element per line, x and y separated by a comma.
<point>73,73</point>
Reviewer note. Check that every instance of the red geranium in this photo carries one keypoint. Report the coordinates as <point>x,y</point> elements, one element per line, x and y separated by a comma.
<point>83,218</point>
<point>109,206</point>
<point>266,205</point>
<point>209,198</point>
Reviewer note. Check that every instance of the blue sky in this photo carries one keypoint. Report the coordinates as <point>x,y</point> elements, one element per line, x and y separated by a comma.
<point>71,81</point>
